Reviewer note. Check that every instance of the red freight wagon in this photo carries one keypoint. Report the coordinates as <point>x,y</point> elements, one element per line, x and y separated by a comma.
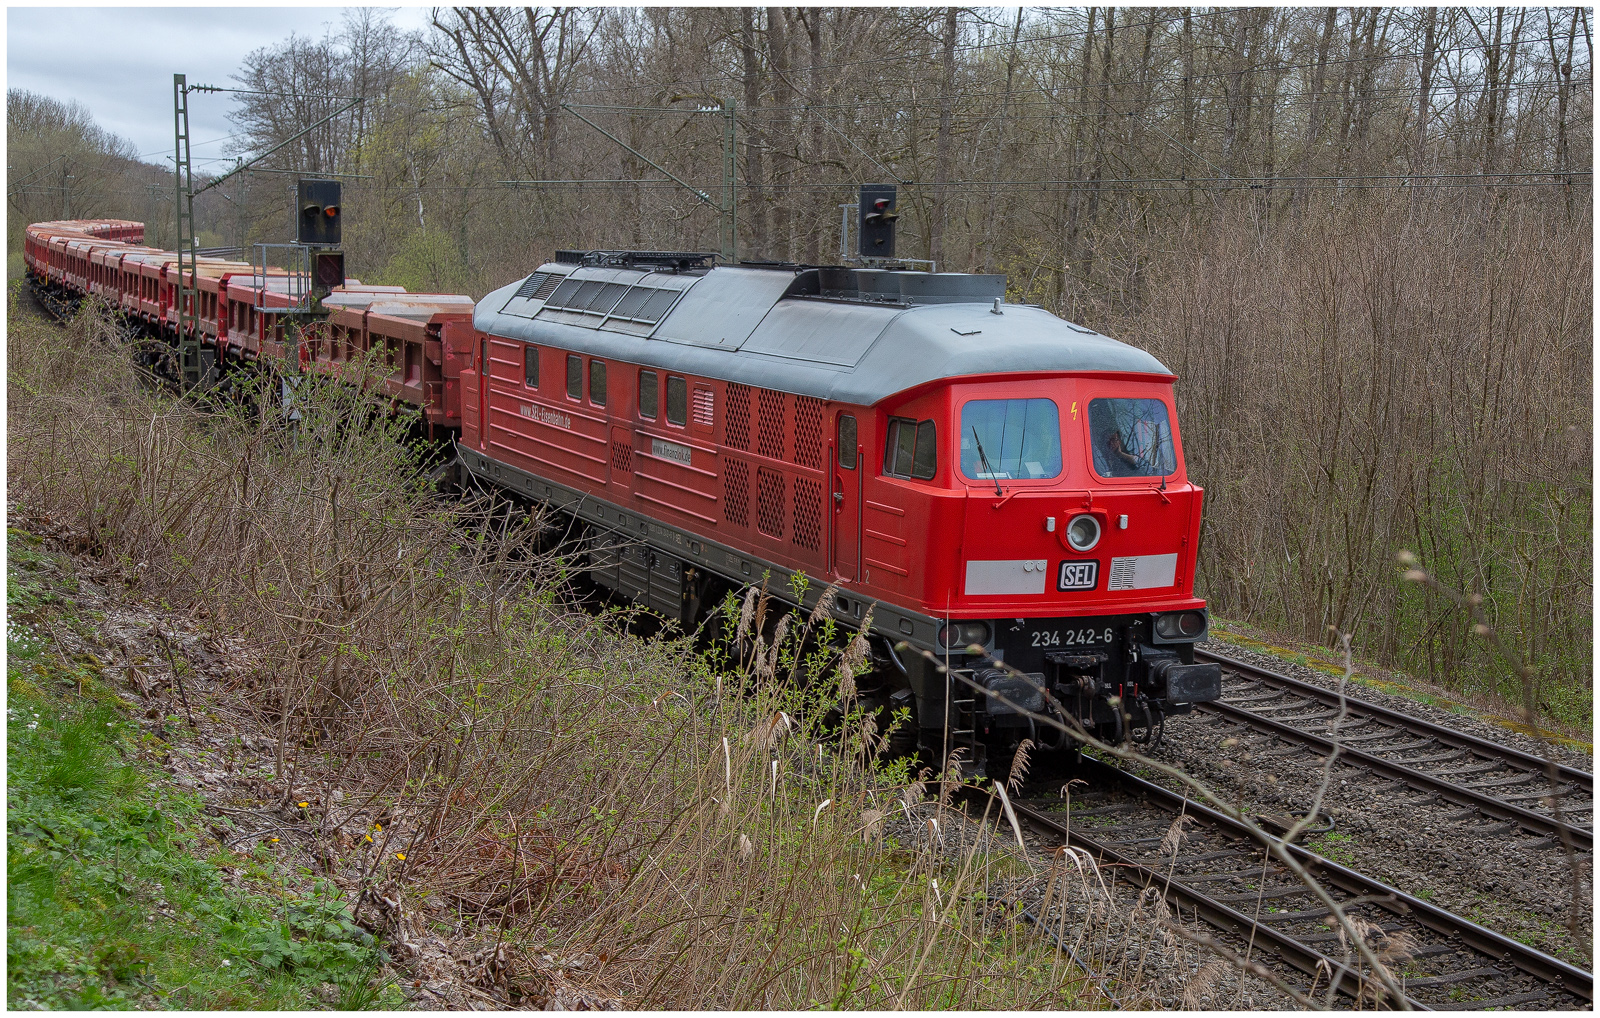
<point>409,329</point>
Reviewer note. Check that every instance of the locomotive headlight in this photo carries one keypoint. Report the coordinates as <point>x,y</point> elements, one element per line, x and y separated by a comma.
<point>1180,625</point>
<point>959,635</point>
<point>1083,532</point>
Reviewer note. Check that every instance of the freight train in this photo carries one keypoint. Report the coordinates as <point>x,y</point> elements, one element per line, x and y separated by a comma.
<point>1002,491</point>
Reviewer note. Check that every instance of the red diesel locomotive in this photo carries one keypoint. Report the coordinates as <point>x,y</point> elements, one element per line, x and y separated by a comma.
<point>978,473</point>
<point>971,471</point>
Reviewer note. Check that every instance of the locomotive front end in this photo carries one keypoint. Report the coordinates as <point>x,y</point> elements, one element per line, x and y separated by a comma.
<point>1068,562</point>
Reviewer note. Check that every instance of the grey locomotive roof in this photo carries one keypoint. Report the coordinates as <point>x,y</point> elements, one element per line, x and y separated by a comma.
<point>748,325</point>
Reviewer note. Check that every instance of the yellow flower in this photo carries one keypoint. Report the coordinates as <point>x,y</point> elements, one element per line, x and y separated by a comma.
<point>303,805</point>
<point>401,856</point>
<point>377,827</point>
<point>272,839</point>
<point>369,839</point>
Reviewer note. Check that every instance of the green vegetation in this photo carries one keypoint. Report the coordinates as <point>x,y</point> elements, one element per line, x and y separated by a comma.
<point>1528,927</point>
<point>1335,845</point>
<point>116,892</point>
<point>682,824</point>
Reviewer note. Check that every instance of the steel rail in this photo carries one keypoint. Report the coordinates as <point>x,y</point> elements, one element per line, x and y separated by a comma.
<point>1538,823</point>
<point>1564,976</point>
<point>1417,726</point>
<point>1301,956</point>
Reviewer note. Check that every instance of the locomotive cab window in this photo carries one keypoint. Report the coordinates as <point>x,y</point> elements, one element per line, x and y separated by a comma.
<point>574,376</point>
<point>648,381</point>
<point>1131,438</point>
<point>597,382</point>
<point>677,401</point>
<point>1010,439</point>
<point>911,449</point>
<point>847,441</point>
<point>530,366</point>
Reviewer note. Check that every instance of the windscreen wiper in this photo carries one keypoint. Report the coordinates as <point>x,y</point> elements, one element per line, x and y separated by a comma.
<point>985,460</point>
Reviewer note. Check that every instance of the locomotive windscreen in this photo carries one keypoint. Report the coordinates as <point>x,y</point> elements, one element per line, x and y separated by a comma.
<point>1010,438</point>
<point>1131,438</point>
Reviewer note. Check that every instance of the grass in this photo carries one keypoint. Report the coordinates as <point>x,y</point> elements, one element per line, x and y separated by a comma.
<point>116,893</point>
<point>1334,845</point>
<point>1536,931</point>
<point>549,784</point>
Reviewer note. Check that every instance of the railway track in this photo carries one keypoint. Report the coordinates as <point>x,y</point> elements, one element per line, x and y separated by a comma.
<point>1221,872</point>
<point>1497,781</point>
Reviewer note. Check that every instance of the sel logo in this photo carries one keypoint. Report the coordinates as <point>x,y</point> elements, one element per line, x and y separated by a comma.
<point>1078,575</point>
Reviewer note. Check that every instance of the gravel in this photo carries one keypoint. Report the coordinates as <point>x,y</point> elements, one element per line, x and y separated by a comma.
<point>1508,880</point>
<point>1479,723</point>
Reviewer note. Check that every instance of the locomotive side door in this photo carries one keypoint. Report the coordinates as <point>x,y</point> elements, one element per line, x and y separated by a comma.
<point>844,526</point>
<point>483,393</point>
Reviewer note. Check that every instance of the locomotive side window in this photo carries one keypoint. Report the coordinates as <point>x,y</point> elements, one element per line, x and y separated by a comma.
<point>677,401</point>
<point>1010,438</point>
<point>574,376</point>
<point>1131,438</point>
<point>911,450</point>
<point>847,441</point>
<point>648,381</point>
<point>530,366</point>
<point>924,460</point>
<point>597,382</point>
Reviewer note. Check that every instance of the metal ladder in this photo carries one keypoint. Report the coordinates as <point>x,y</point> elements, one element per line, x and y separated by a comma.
<point>963,718</point>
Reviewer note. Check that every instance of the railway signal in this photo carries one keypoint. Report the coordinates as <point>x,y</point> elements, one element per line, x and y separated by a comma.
<point>318,222</point>
<point>876,209</point>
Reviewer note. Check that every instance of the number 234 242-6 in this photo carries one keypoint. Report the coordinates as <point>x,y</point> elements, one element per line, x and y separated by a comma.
<point>1071,637</point>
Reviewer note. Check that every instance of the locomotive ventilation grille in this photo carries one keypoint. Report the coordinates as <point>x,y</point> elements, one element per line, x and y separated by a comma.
<point>540,285</point>
<point>739,416</point>
<point>736,493</point>
<point>807,514</point>
<point>769,502</point>
<point>770,421</point>
<point>622,457</point>
<point>808,432</point>
<point>702,408</point>
<point>618,300</point>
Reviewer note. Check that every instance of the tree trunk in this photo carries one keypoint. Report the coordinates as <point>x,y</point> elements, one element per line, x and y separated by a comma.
<point>941,158</point>
<point>1086,255</point>
<point>1491,87</point>
<point>1188,77</point>
<point>1319,78</point>
<point>1348,87</point>
<point>755,139</point>
<point>1002,159</point>
<point>813,21</point>
<point>783,149</point>
<point>1419,152</point>
<point>1236,57</point>
<point>1075,199</point>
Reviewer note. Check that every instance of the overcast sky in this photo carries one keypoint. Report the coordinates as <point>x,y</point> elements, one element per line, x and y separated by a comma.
<point>119,62</point>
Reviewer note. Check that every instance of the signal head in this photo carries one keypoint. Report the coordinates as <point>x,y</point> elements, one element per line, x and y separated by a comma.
<point>318,222</point>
